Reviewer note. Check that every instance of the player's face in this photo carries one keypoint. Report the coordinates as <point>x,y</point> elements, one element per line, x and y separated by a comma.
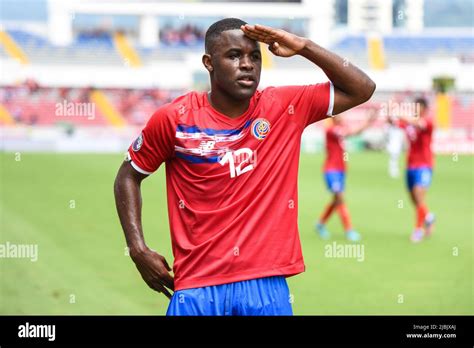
<point>236,65</point>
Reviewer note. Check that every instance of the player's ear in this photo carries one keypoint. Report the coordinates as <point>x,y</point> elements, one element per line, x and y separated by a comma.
<point>206,60</point>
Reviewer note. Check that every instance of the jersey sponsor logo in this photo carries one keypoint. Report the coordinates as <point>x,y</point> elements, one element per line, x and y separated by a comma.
<point>137,144</point>
<point>206,152</point>
<point>260,128</point>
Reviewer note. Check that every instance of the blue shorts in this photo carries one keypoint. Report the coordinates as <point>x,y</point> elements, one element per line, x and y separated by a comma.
<point>262,296</point>
<point>335,181</point>
<point>419,177</point>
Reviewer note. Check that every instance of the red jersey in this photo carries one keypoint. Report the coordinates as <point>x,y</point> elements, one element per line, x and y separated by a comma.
<point>335,149</point>
<point>419,153</point>
<point>232,182</point>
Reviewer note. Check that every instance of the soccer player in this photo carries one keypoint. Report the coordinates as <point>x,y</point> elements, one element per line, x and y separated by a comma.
<point>335,175</point>
<point>419,132</point>
<point>232,213</point>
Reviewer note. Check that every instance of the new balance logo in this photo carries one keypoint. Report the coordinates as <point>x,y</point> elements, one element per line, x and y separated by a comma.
<point>206,145</point>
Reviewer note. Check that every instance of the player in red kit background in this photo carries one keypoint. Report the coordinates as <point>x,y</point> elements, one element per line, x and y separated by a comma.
<point>419,132</point>
<point>335,175</point>
<point>231,159</point>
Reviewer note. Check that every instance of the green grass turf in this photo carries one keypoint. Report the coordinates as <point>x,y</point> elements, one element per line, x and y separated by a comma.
<point>82,267</point>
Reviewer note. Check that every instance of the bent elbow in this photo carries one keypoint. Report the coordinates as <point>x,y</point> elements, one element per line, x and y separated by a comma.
<point>369,90</point>
<point>373,87</point>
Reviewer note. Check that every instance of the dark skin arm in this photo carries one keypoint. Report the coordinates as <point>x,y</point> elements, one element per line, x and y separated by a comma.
<point>152,266</point>
<point>351,85</point>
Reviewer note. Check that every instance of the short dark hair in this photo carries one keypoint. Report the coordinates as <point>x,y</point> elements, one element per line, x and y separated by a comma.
<point>212,34</point>
<point>422,101</point>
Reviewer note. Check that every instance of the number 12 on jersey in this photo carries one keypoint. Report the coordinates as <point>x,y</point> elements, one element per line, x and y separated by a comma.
<point>244,156</point>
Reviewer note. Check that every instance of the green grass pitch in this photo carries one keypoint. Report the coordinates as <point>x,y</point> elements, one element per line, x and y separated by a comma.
<point>64,203</point>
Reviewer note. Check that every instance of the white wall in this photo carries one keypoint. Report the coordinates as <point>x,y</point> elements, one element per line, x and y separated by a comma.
<point>370,15</point>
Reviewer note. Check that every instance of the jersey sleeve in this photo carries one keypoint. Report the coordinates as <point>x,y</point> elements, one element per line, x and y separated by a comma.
<point>429,125</point>
<point>309,103</point>
<point>155,144</point>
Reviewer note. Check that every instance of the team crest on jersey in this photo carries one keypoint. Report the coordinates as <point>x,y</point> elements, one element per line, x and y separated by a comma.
<point>260,128</point>
<point>137,144</point>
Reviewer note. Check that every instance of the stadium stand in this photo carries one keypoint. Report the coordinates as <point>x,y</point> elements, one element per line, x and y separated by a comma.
<point>89,48</point>
<point>113,48</point>
<point>406,48</point>
<point>31,104</point>
<point>116,45</point>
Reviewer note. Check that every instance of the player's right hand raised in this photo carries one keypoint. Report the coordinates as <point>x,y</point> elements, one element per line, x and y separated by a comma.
<point>280,42</point>
<point>154,270</point>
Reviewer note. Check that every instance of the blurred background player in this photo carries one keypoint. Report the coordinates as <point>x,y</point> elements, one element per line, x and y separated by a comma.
<point>335,173</point>
<point>394,149</point>
<point>419,131</point>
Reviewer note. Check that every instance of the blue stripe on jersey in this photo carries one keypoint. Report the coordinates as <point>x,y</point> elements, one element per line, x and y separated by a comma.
<point>198,159</point>
<point>209,131</point>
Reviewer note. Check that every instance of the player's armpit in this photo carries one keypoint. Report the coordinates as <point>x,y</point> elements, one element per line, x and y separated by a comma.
<point>130,170</point>
<point>352,86</point>
<point>155,144</point>
<point>344,102</point>
<point>305,104</point>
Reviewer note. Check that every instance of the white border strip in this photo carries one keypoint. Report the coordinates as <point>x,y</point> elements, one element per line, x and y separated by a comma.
<point>137,168</point>
<point>331,100</point>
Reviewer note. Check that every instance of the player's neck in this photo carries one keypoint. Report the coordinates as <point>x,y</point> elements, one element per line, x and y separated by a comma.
<point>227,106</point>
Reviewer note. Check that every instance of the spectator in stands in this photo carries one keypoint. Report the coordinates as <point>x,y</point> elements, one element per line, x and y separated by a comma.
<point>63,93</point>
<point>187,35</point>
<point>32,86</point>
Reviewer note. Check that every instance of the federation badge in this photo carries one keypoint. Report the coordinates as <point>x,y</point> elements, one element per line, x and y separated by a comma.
<point>137,144</point>
<point>260,128</point>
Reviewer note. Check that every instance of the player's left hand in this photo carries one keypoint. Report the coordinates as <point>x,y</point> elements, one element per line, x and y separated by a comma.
<point>280,42</point>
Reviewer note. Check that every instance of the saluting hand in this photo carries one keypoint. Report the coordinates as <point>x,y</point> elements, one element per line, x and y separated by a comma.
<point>280,42</point>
